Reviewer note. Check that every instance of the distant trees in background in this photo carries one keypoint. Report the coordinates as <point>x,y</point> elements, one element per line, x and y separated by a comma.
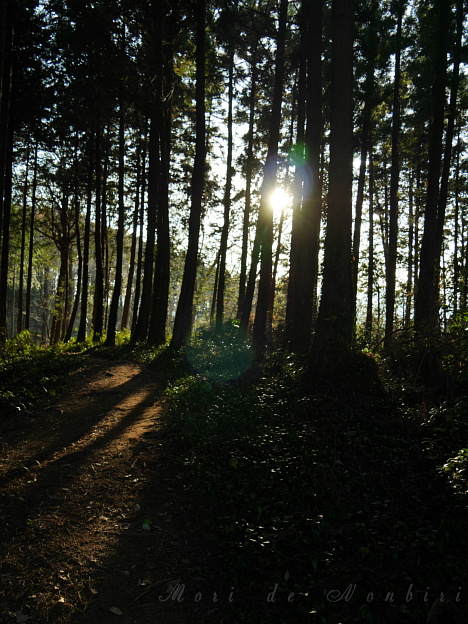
<point>140,144</point>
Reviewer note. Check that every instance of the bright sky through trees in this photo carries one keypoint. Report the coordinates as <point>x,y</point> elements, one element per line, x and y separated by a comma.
<point>279,200</point>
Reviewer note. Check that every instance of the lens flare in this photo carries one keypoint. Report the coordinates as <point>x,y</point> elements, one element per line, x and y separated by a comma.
<point>279,200</point>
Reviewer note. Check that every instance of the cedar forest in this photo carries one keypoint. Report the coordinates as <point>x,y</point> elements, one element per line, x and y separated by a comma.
<point>264,203</point>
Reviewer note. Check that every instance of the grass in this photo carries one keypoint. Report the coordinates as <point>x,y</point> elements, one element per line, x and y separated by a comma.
<point>29,372</point>
<point>332,503</point>
<point>325,500</point>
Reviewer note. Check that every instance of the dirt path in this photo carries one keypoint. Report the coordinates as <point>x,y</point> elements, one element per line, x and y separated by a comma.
<point>98,521</point>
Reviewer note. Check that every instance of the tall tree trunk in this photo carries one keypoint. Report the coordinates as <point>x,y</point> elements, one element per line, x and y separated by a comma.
<point>452,114</point>
<point>8,172</point>
<point>98,310</point>
<point>426,309</point>
<point>456,234</point>
<point>394,180</point>
<point>131,268</point>
<point>104,232</point>
<point>114,306</point>
<point>82,328</point>
<point>27,319</point>
<point>76,301</point>
<point>262,322</point>
<point>160,302</point>
<point>370,268</point>
<point>365,142</point>
<point>214,298</point>
<point>136,297</point>
<point>141,327</point>
<point>6,154</point>
<point>409,278</point>
<point>227,200</point>
<point>183,318</point>
<point>335,321</point>
<point>248,180</point>
<point>304,270</point>
<point>249,292</point>
<point>19,324</point>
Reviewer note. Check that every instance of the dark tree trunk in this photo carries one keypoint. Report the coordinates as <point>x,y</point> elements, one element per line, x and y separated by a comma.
<point>335,321</point>
<point>76,302</point>
<point>263,313</point>
<point>160,302</point>
<point>98,312</point>
<point>19,323</point>
<point>227,201</point>
<point>426,308</point>
<point>304,265</point>
<point>136,297</point>
<point>456,235</point>
<point>6,154</point>
<point>409,279</point>
<point>82,328</point>
<point>141,327</point>
<point>183,318</point>
<point>452,113</point>
<point>131,268</point>
<point>5,259</point>
<point>215,290</point>
<point>370,268</point>
<point>249,292</point>
<point>394,179</point>
<point>27,318</point>
<point>248,183</point>
<point>365,143</point>
<point>114,306</point>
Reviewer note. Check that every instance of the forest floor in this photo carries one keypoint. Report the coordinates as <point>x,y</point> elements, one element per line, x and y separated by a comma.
<point>152,495</point>
<point>98,523</point>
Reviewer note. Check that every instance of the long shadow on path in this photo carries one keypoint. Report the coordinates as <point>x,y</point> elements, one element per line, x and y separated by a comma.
<point>93,508</point>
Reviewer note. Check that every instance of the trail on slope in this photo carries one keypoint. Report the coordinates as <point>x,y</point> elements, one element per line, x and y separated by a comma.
<point>99,523</point>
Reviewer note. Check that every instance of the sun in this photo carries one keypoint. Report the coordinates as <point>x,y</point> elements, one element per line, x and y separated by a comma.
<point>279,200</point>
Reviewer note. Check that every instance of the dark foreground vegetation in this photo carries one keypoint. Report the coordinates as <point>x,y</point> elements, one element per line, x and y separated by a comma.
<point>325,499</point>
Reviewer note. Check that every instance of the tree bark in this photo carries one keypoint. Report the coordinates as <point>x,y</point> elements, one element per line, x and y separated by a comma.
<point>304,260</point>
<point>6,154</point>
<point>82,328</point>
<point>114,306</point>
<point>141,328</point>
<point>131,268</point>
<point>19,323</point>
<point>27,318</point>
<point>370,268</point>
<point>394,179</point>
<point>248,183</point>
<point>335,321</point>
<point>183,318</point>
<point>226,201</point>
<point>426,308</point>
<point>160,303</point>
<point>98,309</point>
<point>263,314</point>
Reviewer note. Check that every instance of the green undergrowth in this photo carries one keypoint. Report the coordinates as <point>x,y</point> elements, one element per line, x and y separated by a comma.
<point>29,372</point>
<point>326,504</point>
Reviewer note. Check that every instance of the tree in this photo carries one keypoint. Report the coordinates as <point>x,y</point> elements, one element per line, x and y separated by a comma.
<point>6,148</point>
<point>334,329</point>
<point>394,179</point>
<point>426,307</point>
<point>306,221</point>
<point>114,307</point>
<point>227,200</point>
<point>183,318</point>
<point>263,312</point>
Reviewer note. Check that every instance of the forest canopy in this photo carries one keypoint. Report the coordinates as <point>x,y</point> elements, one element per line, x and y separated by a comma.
<point>141,143</point>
